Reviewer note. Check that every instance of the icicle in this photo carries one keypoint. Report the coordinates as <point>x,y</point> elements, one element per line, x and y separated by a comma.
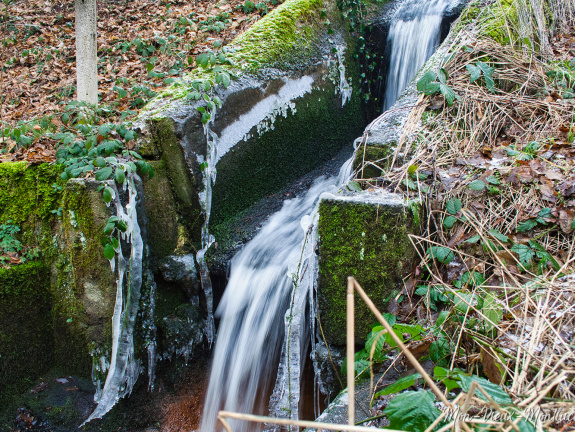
<point>209,178</point>
<point>124,368</point>
<point>344,87</point>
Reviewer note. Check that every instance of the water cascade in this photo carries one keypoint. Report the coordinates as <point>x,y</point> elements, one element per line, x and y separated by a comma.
<point>267,312</point>
<point>414,35</point>
<point>259,291</point>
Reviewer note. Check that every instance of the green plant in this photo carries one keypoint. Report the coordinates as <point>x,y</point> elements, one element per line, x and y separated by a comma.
<point>248,7</point>
<point>379,343</point>
<point>436,82</point>
<point>481,68</point>
<point>8,240</point>
<point>529,224</point>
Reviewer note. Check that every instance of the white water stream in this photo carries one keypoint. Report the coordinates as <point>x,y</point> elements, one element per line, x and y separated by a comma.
<point>268,306</point>
<point>253,312</point>
<point>414,35</point>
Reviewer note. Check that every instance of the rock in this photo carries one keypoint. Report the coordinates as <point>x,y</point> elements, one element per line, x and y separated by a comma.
<point>365,235</point>
<point>182,333</point>
<point>181,269</point>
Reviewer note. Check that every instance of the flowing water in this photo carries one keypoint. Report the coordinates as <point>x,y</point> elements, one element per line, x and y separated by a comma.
<point>260,290</point>
<point>414,35</point>
<point>267,311</point>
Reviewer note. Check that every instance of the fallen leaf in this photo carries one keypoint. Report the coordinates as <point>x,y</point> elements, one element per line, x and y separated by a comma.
<point>491,365</point>
<point>554,175</point>
<point>565,219</point>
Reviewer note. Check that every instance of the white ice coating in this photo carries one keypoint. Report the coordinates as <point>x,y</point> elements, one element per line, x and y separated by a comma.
<point>123,369</point>
<point>414,35</point>
<point>344,87</point>
<point>254,318</point>
<point>209,179</point>
<point>263,114</point>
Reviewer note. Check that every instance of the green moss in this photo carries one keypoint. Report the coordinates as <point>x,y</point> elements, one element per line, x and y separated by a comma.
<point>283,37</point>
<point>368,242</point>
<point>162,225</point>
<point>84,287</point>
<point>296,145</point>
<point>369,153</point>
<point>26,331</point>
<point>502,22</point>
<point>182,182</point>
<point>27,198</point>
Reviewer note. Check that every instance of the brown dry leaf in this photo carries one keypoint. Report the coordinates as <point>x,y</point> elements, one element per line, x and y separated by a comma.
<point>554,175</point>
<point>506,257</point>
<point>565,220</point>
<point>491,366</point>
<point>420,348</point>
<point>567,188</point>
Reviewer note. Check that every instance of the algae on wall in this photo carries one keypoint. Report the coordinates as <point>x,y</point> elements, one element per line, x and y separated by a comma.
<point>26,329</point>
<point>368,241</point>
<point>63,222</point>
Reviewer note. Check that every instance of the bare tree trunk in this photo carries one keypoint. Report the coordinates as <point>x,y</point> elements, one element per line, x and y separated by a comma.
<point>86,51</point>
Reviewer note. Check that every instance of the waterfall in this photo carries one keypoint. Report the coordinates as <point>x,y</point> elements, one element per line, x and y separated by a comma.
<point>268,309</point>
<point>268,276</point>
<point>414,35</point>
<point>123,368</point>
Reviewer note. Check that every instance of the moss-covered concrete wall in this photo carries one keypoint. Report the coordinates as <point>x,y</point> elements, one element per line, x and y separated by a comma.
<point>26,328</point>
<point>299,142</point>
<point>68,295</point>
<point>366,240</point>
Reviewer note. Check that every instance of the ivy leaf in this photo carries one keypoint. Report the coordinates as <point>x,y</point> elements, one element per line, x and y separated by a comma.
<point>499,395</point>
<point>432,88</point>
<point>413,411</point>
<point>442,254</point>
<point>100,162</point>
<point>109,251</point>
<point>115,243</point>
<point>492,311</point>
<point>502,238</point>
<point>463,301</point>
<point>474,71</point>
<point>449,221</point>
<point>528,225</point>
<point>107,194</point>
<point>476,185</point>
<point>448,93</point>
<point>202,60</point>
<point>377,338</point>
<point>493,180</point>
<point>453,206</point>
<point>120,176</point>
<point>525,253</point>
<point>487,74</point>
<point>473,239</point>
<point>440,351</point>
<point>400,385</point>
<point>426,80</point>
<point>445,375</point>
<point>104,174</point>
<point>109,228</point>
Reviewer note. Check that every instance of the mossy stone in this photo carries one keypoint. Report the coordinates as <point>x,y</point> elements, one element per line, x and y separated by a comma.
<point>378,155</point>
<point>26,331</point>
<point>369,242</point>
<point>160,207</point>
<point>182,182</point>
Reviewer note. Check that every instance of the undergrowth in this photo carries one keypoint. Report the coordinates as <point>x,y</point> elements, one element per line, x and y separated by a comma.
<point>489,153</point>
